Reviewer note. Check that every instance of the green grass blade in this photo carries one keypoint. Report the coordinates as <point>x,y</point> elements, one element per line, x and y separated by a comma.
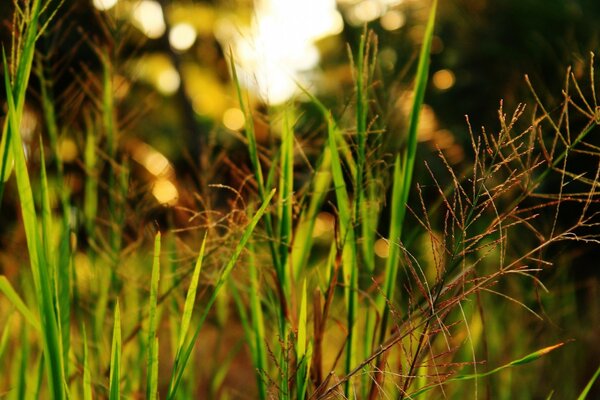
<point>15,299</point>
<point>584,393</point>
<point>87,378</point>
<point>302,356</point>
<point>286,185</point>
<point>191,298</point>
<point>258,326</point>
<point>40,269</point>
<point>19,84</point>
<point>152,356</point>
<point>183,357</point>
<point>402,177</point>
<point>114,392</point>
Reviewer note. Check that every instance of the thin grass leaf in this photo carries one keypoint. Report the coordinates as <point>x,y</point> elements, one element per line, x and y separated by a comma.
<point>114,391</point>
<point>584,393</point>
<point>40,268</point>
<point>301,353</point>
<point>258,326</point>
<point>402,177</point>
<point>152,356</point>
<point>19,84</point>
<point>87,378</point>
<point>190,299</point>
<point>182,358</point>
<point>15,299</point>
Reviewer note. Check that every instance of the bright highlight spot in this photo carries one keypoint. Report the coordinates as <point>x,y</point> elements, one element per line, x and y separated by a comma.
<point>67,150</point>
<point>382,248</point>
<point>155,162</point>
<point>365,11</point>
<point>165,192</point>
<point>104,5</point>
<point>234,119</point>
<point>443,79</point>
<point>168,81</point>
<point>182,36</point>
<point>280,45</point>
<point>148,17</point>
<point>393,20</point>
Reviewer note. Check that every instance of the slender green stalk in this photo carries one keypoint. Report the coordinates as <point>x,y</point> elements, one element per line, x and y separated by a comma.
<point>402,178</point>
<point>114,392</point>
<point>151,342</point>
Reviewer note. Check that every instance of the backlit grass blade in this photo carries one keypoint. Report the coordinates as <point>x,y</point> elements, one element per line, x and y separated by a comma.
<point>190,299</point>
<point>302,355</point>
<point>182,358</point>
<point>40,268</point>
<point>114,391</point>
<point>258,326</point>
<point>348,246</point>
<point>152,356</point>
<point>256,166</point>
<point>584,393</point>
<point>10,293</point>
<point>402,177</point>
<point>303,234</point>
<point>286,185</point>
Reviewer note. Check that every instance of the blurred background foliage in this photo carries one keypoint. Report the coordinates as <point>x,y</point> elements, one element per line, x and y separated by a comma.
<point>179,118</point>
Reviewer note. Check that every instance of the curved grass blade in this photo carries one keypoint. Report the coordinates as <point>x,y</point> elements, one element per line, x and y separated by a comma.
<point>15,299</point>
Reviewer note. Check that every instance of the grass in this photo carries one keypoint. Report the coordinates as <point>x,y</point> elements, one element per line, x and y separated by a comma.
<point>266,298</point>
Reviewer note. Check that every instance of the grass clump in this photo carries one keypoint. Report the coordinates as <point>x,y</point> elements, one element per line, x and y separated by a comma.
<point>305,316</point>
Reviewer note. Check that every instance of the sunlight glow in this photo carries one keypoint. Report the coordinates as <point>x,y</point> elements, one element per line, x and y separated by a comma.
<point>182,36</point>
<point>148,17</point>
<point>392,20</point>
<point>279,48</point>
<point>443,79</point>
<point>104,5</point>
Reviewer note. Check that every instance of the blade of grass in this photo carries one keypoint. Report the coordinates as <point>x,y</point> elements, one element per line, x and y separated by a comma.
<point>182,358</point>
<point>584,393</point>
<point>258,326</point>
<point>15,299</point>
<point>403,176</point>
<point>40,268</point>
<point>152,356</point>
<point>114,391</point>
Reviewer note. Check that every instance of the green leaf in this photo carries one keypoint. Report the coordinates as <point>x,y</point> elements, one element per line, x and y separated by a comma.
<point>114,392</point>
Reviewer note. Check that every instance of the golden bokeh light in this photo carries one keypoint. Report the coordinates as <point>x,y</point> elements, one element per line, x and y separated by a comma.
<point>382,248</point>
<point>233,118</point>
<point>182,36</point>
<point>443,79</point>
<point>165,192</point>
<point>148,17</point>
<point>393,20</point>
<point>104,5</point>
